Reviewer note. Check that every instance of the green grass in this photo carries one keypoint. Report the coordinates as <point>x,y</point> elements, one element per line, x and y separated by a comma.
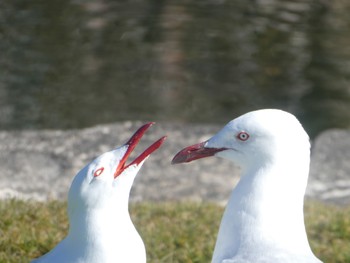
<point>172,232</point>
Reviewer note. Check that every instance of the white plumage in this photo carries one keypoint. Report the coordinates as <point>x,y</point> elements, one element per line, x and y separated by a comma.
<point>101,230</point>
<point>263,220</point>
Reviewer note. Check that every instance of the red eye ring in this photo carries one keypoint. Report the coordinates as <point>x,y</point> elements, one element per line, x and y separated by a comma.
<point>243,136</point>
<point>99,171</point>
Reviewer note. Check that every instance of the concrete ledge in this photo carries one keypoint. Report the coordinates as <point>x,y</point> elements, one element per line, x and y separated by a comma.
<point>40,165</point>
<point>330,167</point>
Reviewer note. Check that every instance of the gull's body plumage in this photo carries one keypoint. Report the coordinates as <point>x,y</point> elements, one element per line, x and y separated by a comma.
<point>263,220</point>
<point>100,227</point>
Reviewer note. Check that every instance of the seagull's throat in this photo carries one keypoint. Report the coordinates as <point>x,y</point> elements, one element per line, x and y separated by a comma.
<point>272,187</point>
<point>96,224</point>
<point>263,203</point>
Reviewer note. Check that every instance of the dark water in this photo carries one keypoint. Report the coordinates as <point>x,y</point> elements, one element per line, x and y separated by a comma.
<point>70,64</point>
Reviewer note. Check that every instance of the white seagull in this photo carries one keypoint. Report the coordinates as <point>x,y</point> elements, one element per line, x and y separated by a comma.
<point>263,220</point>
<point>100,228</point>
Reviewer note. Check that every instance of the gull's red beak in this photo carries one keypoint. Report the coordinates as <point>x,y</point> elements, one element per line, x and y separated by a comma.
<point>132,143</point>
<point>194,152</point>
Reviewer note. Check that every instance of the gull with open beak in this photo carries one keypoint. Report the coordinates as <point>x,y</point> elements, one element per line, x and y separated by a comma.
<point>100,227</point>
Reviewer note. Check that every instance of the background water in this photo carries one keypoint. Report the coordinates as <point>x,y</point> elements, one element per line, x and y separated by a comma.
<point>71,64</point>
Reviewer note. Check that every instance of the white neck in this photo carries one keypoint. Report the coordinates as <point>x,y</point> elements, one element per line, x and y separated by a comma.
<point>105,235</point>
<point>266,210</point>
<point>87,225</point>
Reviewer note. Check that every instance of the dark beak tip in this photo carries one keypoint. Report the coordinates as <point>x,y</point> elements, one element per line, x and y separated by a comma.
<point>174,161</point>
<point>180,157</point>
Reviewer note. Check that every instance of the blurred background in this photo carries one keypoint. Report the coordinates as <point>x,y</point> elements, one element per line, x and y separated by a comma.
<point>72,63</point>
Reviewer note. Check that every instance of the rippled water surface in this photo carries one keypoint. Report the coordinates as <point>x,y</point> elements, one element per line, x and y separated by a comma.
<point>70,64</point>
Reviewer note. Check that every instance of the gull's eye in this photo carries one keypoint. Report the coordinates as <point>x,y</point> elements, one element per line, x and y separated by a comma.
<point>98,172</point>
<point>243,136</point>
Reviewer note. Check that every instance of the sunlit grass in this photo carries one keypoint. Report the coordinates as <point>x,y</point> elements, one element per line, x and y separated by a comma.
<point>172,232</point>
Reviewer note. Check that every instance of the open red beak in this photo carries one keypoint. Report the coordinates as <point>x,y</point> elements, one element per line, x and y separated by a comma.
<point>132,143</point>
<point>194,152</point>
